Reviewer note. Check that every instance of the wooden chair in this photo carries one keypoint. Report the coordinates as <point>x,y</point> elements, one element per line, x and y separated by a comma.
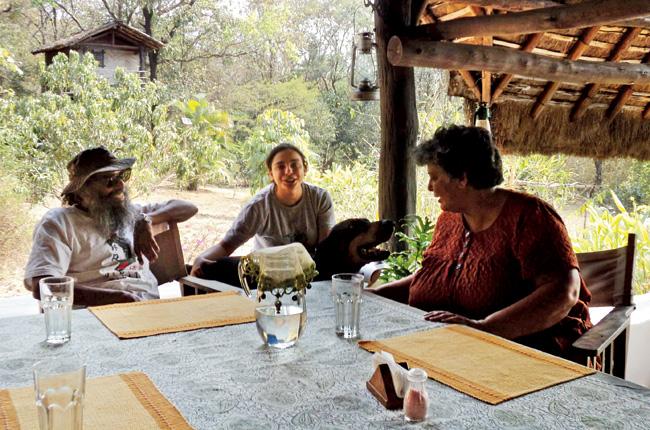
<point>170,265</point>
<point>608,275</point>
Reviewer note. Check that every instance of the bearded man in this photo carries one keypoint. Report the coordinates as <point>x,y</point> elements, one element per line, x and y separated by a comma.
<point>99,237</point>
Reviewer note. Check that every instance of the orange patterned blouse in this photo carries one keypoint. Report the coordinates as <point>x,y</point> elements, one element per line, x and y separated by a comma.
<point>477,274</point>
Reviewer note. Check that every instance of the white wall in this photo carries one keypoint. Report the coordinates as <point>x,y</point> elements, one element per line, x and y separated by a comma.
<point>127,60</point>
<point>638,354</point>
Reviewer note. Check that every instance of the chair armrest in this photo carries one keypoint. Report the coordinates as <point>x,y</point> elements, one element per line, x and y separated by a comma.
<point>207,285</point>
<point>603,334</point>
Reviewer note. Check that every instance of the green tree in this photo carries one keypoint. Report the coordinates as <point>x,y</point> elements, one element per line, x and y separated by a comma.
<point>199,155</point>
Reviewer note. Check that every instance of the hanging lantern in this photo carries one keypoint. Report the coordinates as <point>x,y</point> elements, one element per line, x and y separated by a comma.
<point>482,117</point>
<point>363,75</point>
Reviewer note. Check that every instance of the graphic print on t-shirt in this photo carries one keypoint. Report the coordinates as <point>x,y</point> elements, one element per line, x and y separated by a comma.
<point>121,263</point>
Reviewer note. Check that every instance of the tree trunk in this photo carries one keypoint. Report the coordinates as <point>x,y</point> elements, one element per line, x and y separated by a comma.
<point>147,13</point>
<point>399,122</point>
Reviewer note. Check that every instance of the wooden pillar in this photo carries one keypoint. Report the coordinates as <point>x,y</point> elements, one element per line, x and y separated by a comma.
<point>399,121</point>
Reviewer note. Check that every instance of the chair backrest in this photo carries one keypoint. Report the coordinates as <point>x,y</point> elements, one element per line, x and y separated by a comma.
<point>608,274</point>
<point>170,264</point>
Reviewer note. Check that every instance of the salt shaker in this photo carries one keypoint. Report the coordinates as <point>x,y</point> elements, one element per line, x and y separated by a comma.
<point>416,399</point>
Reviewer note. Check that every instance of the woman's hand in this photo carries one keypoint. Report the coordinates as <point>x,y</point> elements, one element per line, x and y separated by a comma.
<point>199,265</point>
<point>452,318</point>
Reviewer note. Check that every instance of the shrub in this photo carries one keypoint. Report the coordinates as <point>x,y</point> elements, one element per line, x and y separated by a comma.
<point>353,189</point>
<point>606,230</point>
<point>403,263</point>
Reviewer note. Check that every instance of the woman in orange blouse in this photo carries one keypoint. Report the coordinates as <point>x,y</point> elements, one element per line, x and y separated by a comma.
<point>499,261</point>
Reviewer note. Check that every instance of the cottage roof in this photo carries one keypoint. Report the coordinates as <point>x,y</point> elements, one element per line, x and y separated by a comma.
<point>125,31</point>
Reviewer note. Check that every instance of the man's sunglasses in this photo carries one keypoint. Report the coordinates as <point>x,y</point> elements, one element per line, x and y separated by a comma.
<point>110,181</point>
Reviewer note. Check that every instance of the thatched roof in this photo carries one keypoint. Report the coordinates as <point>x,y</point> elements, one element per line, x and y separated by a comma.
<point>124,31</point>
<point>536,115</point>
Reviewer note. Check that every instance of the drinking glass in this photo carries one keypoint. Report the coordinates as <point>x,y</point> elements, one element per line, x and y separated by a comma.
<point>57,295</point>
<point>59,386</point>
<point>346,291</point>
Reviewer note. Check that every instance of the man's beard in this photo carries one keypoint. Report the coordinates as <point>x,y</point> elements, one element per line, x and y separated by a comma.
<point>112,216</point>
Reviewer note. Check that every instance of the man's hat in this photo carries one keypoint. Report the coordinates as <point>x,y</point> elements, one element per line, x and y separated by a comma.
<point>92,161</point>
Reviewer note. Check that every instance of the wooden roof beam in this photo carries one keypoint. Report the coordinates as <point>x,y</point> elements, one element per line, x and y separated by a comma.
<point>522,5</point>
<point>624,94</point>
<point>592,89</point>
<point>586,14</point>
<point>503,82</point>
<point>471,83</point>
<point>410,52</point>
<point>576,51</point>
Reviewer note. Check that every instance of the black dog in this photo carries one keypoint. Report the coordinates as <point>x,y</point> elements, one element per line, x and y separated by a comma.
<point>350,245</point>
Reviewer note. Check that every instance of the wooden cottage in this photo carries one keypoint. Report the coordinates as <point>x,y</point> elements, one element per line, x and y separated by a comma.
<point>114,44</point>
<point>559,76</point>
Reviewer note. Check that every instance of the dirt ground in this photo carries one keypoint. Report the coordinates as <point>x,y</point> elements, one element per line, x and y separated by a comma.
<point>218,208</point>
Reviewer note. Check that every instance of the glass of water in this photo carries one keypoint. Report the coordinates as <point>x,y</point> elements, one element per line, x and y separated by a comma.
<point>346,291</point>
<point>59,385</point>
<point>57,294</point>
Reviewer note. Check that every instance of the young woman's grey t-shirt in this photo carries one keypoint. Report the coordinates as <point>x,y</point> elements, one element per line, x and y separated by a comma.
<point>274,224</point>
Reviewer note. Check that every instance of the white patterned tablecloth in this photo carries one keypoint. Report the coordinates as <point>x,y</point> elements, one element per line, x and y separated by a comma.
<point>223,378</point>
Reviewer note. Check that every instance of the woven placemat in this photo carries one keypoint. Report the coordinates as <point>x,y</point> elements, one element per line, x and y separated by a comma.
<point>147,318</point>
<point>487,367</point>
<point>124,401</point>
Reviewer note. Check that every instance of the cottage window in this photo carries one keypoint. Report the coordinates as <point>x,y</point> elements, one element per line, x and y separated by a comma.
<point>99,56</point>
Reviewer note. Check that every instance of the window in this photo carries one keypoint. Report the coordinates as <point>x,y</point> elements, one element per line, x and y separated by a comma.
<point>99,56</point>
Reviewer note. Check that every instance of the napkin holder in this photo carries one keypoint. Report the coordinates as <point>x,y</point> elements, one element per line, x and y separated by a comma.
<point>381,386</point>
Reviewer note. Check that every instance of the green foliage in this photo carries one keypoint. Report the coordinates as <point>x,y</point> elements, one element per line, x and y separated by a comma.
<point>353,189</point>
<point>546,177</point>
<point>404,263</point>
<point>78,110</point>
<point>607,229</point>
<point>272,128</point>
<point>635,187</point>
<point>199,155</point>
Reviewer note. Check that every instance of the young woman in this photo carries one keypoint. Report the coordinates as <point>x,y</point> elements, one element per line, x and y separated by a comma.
<point>286,211</point>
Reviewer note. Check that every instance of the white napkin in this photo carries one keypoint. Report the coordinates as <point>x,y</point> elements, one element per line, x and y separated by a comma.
<point>397,372</point>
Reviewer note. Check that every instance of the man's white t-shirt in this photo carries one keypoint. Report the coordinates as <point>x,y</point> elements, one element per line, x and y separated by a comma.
<point>66,242</point>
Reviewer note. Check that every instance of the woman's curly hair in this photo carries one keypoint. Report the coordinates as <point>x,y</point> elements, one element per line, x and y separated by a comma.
<point>463,151</point>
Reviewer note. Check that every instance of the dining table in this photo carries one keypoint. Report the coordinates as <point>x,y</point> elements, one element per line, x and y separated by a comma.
<point>226,378</point>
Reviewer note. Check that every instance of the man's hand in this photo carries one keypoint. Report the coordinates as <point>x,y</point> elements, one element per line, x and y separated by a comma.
<point>144,243</point>
<point>199,265</point>
<point>452,318</point>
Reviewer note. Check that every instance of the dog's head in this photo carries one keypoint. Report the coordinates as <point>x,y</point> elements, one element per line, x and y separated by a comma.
<point>354,241</point>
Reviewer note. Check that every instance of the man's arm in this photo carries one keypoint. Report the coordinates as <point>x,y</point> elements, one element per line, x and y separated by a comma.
<point>144,243</point>
<point>173,211</point>
<point>90,296</point>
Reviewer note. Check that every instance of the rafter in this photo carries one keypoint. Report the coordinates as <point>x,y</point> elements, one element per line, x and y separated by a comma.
<point>471,82</point>
<point>586,14</point>
<point>576,51</point>
<point>503,82</point>
<point>592,89</point>
<point>624,94</point>
<point>409,52</point>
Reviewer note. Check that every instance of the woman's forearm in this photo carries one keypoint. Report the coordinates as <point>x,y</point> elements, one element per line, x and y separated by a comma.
<point>546,306</point>
<point>395,290</point>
